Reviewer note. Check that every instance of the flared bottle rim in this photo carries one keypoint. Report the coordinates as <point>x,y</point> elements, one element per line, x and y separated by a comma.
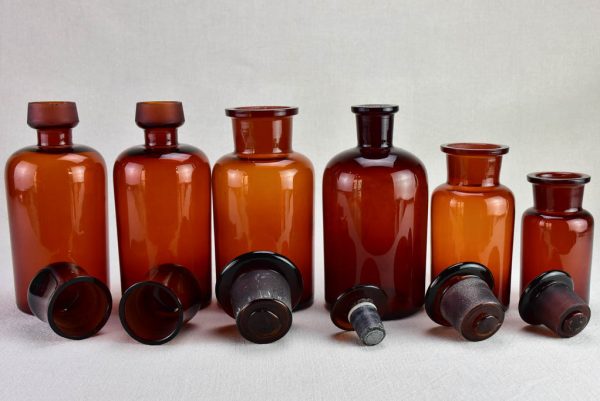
<point>52,114</point>
<point>159,114</point>
<point>474,149</point>
<point>558,177</point>
<point>375,108</point>
<point>261,111</point>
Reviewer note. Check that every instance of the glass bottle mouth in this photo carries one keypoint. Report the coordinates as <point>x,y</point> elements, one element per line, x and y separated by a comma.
<point>261,111</point>
<point>558,177</point>
<point>474,149</point>
<point>375,109</point>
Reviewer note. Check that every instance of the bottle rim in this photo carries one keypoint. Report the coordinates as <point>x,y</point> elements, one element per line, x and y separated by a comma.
<point>474,149</point>
<point>261,111</point>
<point>558,177</point>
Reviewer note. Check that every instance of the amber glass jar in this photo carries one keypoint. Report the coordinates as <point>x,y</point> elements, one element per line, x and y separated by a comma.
<point>375,216</point>
<point>162,197</point>
<point>557,233</point>
<point>472,214</point>
<point>56,194</point>
<point>263,193</point>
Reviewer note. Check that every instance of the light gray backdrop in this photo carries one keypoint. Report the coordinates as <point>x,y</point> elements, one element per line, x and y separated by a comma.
<point>521,73</point>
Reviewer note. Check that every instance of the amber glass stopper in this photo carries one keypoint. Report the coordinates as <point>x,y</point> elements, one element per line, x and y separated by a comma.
<point>359,309</point>
<point>162,114</point>
<point>550,300</point>
<point>260,290</point>
<point>153,311</point>
<point>461,297</point>
<point>75,305</point>
<point>46,115</point>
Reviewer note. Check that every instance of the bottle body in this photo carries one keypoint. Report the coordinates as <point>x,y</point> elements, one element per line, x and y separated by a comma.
<point>557,233</point>
<point>162,199</point>
<point>263,194</point>
<point>375,226</point>
<point>57,211</point>
<point>472,215</point>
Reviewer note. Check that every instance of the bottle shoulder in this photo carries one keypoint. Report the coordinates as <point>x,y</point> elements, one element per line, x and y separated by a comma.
<point>294,160</point>
<point>182,153</point>
<point>355,159</point>
<point>500,190</point>
<point>72,155</point>
<point>534,214</point>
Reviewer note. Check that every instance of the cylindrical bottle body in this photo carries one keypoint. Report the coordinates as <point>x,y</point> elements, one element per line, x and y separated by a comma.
<point>557,233</point>
<point>162,199</point>
<point>57,212</point>
<point>375,226</point>
<point>265,204</point>
<point>472,215</point>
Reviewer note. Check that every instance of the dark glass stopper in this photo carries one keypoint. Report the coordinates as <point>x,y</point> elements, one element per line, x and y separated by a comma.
<point>154,310</point>
<point>359,309</point>
<point>75,305</point>
<point>550,300</point>
<point>260,290</point>
<point>461,297</point>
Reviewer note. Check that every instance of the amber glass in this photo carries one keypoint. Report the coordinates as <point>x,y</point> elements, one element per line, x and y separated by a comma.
<point>375,216</point>
<point>557,233</point>
<point>56,194</point>
<point>263,193</point>
<point>472,214</point>
<point>162,197</point>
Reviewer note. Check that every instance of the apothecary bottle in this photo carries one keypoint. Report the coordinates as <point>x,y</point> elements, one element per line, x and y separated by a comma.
<point>263,193</point>
<point>56,195</point>
<point>162,199</point>
<point>375,205</point>
<point>557,233</point>
<point>472,214</point>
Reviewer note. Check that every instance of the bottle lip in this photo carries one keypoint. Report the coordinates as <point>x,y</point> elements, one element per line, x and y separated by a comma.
<point>375,109</point>
<point>474,149</point>
<point>52,114</point>
<point>159,114</point>
<point>558,177</point>
<point>261,111</point>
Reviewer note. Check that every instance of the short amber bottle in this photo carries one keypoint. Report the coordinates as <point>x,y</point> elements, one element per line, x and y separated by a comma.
<point>263,193</point>
<point>56,194</point>
<point>472,214</point>
<point>557,233</point>
<point>162,199</point>
<point>375,205</point>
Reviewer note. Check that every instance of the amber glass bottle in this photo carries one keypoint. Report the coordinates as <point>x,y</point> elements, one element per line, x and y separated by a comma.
<point>263,193</point>
<point>56,194</point>
<point>557,232</point>
<point>375,216</point>
<point>472,214</point>
<point>162,197</point>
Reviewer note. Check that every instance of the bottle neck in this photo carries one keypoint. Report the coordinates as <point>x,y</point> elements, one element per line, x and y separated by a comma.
<point>557,198</point>
<point>160,137</point>
<point>55,138</point>
<point>474,171</point>
<point>375,130</point>
<point>262,137</point>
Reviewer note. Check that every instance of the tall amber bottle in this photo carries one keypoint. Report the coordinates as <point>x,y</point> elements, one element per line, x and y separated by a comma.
<point>472,214</point>
<point>162,197</point>
<point>263,193</point>
<point>56,194</point>
<point>375,205</point>
<point>557,233</point>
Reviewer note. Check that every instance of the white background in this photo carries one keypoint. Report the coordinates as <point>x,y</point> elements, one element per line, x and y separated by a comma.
<point>521,73</point>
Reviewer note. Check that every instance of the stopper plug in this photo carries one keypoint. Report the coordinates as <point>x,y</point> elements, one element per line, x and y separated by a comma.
<point>550,300</point>
<point>461,297</point>
<point>260,290</point>
<point>358,309</point>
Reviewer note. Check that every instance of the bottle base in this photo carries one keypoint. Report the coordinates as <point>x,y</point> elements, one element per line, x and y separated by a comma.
<point>304,304</point>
